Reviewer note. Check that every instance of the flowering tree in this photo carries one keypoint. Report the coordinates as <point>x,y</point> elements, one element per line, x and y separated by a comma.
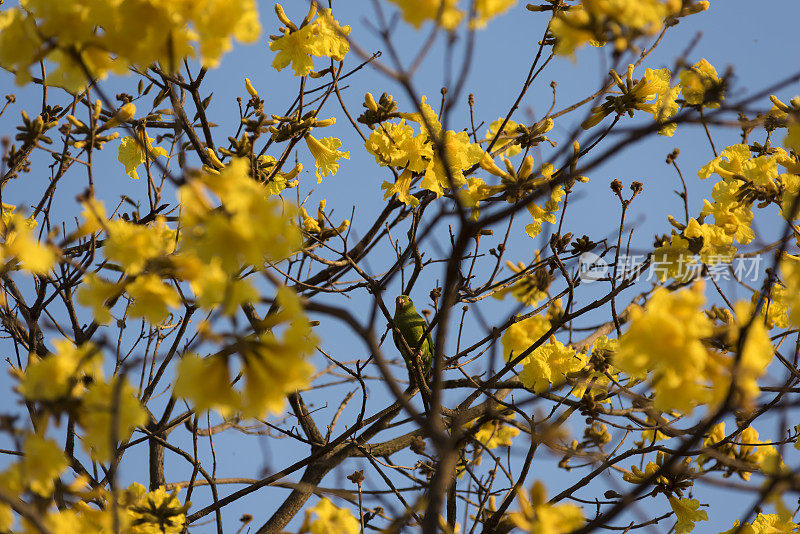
<point>154,331</point>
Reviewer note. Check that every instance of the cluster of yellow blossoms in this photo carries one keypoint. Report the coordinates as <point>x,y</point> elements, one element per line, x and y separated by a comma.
<point>20,248</point>
<point>133,510</point>
<point>668,340</point>
<point>745,179</point>
<point>329,519</point>
<point>88,38</point>
<point>447,14</point>
<point>321,37</point>
<point>551,364</point>
<point>228,225</point>
<point>536,515</point>
<point>442,157</point>
<point>598,22</point>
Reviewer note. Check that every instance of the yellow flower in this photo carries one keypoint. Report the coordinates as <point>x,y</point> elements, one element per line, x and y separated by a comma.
<point>426,117</point>
<point>326,155</point>
<point>58,376</point>
<point>401,188</point>
<point>44,461</point>
<point>133,245</point>
<point>729,163</point>
<point>6,514</point>
<point>756,354</point>
<point>460,154</point>
<point>674,260</point>
<point>296,48</point>
<point>617,21</point>
<point>775,309</point>
<point>21,244</point>
<point>701,86</point>
<point>476,191</point>
<point>332,520</point>
<point>322,37</point>
<point>95,293</point>
<point>764,524</point>
<point>505,139</point>
<point>666,337</point>
<point>792,140</point>
<point>156,512</point>
<point>19,43</point>
<point>215,287</point>
<point>717,245</point>
<point>206,383</point>
<point>101,33</point>
<point>638,94</point>
<point>443,12</point>
<point>330,38</point>
<point>134,152</point>
<point>216,20</point>
<point>730,214</point>
<point>687,513</point>
<point>549,365</point>
<point>488,9</point>
<point>152,298</point>
<point>395,144</point>
<point>546,213</point>
<point>521,335</point>
<point>495,433</point>
<point>537,516</point>
<point>104,403</point>
<point>273,364</point>
<point>251,230</point>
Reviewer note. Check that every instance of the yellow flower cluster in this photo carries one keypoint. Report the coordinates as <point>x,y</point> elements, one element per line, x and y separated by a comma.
<point>59,376</point>
<point>701,86</point>
<point>272,364</point>
<point>614,21</point>
<point>227,223</point>
<point>764,524</point>
<point>90,38</point>
<point>38,469</point>
<point>638,94</point>
<point>321,37</point>
<point>676,258</point>
<point>687,513</point>
<point>395,144</point>
<point>72,378</point>
<point>329,520</point>
<point>546,366</point>
<point>252,229</point>
<point>447,14</point>
<point>745,449</point>
<point>20,248</point>
<point>537,516</point>
<point>667,338</point>
<point>549,365</point>
<point>494,433</point>
<point>133,511</point>
<point>744,179</point>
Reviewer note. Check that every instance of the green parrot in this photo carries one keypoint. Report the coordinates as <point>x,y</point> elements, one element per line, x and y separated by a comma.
<point>412,325</point>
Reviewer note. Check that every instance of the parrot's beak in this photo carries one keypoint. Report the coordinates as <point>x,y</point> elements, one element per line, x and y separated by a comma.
<point>401,302</point>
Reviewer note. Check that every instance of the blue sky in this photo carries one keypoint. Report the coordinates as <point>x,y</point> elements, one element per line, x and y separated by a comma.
<point>759,44</point>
